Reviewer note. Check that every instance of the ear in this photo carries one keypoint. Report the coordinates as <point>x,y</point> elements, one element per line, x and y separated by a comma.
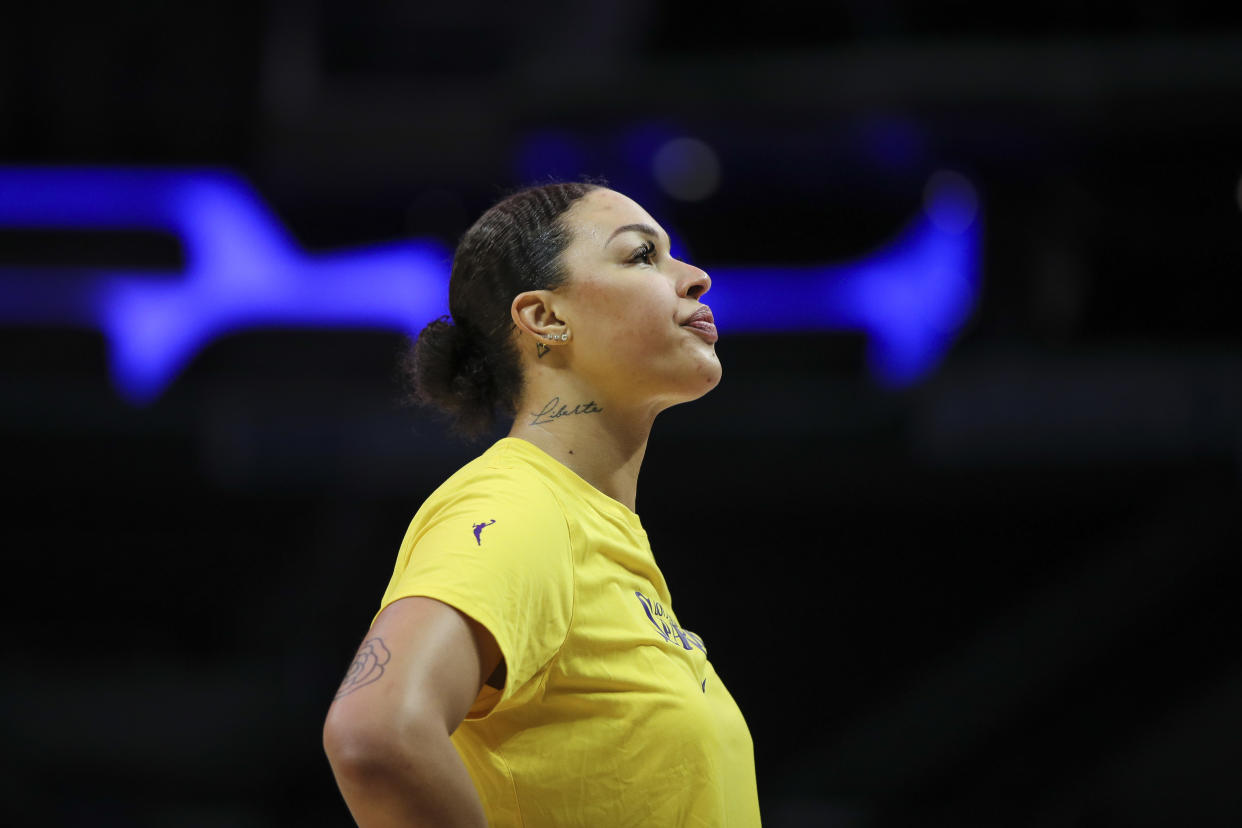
<point>533,313</point>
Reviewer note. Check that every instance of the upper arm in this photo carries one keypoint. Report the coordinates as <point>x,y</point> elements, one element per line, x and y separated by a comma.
<point>422,663</point>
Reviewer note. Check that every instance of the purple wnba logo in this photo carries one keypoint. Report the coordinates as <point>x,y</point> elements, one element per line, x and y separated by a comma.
<point>478,530</point>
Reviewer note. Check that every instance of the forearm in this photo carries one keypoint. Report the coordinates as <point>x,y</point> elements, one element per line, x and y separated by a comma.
<point>426,785</point>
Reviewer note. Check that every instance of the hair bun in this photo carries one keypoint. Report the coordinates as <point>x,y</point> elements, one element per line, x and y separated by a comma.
<point>448,370</point>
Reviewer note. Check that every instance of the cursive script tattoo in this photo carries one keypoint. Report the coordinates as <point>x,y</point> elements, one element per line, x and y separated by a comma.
<point>367,668</point>
<point>553,409</point>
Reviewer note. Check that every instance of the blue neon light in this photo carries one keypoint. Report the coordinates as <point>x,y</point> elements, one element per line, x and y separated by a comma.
<point>245,271</point>
<point>910,298</point>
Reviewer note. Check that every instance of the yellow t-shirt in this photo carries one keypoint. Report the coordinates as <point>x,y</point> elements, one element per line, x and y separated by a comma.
<point>611,714</point>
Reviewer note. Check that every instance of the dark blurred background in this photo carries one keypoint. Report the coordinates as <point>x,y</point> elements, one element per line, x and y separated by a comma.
<point>1004,595</point>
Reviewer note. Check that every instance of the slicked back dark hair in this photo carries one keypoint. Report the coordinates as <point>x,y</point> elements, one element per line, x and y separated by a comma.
<point>465,364</point>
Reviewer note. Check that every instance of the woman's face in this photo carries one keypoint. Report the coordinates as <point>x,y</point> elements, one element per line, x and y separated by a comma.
<point>626,303</point>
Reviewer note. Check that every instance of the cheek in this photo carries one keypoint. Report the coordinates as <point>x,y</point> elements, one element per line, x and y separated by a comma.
<point>630,320</point>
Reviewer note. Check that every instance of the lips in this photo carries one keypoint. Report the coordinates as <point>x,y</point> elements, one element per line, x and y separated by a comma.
<point>702,322</point>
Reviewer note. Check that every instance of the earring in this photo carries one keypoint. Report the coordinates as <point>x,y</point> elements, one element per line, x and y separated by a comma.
<point>541,349</point>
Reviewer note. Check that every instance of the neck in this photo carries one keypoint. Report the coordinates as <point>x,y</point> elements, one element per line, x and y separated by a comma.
<point>600,441</point>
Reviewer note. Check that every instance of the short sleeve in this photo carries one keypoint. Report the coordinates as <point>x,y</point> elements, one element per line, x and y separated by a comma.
<point>495,547</point>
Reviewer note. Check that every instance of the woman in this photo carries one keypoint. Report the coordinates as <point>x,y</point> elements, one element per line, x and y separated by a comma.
<point>526,666</point>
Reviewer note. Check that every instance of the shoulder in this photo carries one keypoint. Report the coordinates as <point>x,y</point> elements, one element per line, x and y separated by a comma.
<point>494,521</point>
<point>498,487</point>
<point>498,475</point>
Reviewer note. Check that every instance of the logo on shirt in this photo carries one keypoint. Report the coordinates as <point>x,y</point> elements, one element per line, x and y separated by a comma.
<point>668,629</point>
<point>478,530</point>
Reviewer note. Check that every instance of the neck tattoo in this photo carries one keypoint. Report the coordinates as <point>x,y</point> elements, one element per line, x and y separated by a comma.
<point>553,409</point>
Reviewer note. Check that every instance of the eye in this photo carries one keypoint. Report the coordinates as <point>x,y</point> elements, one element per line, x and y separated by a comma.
<point>644,254</point>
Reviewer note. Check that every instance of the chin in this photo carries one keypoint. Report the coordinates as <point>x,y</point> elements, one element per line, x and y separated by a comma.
<point>707,378</point>
<point>713,371</point>
<point>713,377</point>
<point>688,381</point>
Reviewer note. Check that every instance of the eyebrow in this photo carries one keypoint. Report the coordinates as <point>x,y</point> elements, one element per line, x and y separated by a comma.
<point>645,229</point>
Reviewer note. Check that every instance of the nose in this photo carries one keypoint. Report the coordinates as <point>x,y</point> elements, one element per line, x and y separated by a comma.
<point>694,282</point>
